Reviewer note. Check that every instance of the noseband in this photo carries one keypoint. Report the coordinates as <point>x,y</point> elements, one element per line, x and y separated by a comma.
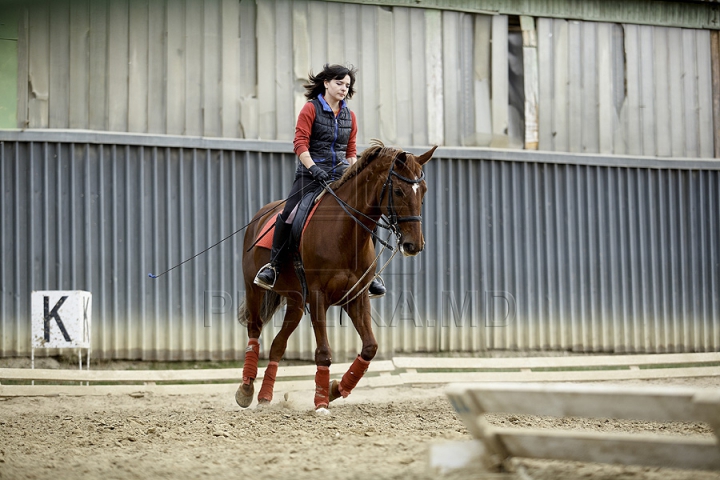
<point>393,218</point>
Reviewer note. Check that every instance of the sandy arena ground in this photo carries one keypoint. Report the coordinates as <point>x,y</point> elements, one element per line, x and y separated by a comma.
<point>380,433</point>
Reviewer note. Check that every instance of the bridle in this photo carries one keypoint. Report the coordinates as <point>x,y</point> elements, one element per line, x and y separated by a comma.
<point>394,220</point>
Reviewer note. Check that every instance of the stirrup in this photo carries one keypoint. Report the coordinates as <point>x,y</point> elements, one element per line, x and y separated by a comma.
<point>263,284</point>
<point>380,293</point>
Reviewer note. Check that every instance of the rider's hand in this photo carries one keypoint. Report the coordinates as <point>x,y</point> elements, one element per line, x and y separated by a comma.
<point>319,174</point>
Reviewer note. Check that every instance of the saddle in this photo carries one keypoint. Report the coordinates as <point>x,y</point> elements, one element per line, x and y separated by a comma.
<point>304,211</point>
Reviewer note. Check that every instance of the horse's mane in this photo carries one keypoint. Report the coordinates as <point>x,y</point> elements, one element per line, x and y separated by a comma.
<point>376,149</point>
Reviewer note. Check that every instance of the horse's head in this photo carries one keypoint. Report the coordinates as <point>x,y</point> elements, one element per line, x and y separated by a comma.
<point>402,198</point>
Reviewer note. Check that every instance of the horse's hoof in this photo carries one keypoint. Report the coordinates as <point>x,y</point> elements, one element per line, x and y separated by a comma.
<point>335,390</point>
<point>322,411</point>
<point>244,395</point>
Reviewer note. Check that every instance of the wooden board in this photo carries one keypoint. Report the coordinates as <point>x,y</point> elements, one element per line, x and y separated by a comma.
<point>647,402</point>
<point>434,77</point>
<point>198,375</point>
<point>703,64</point>
<point>211,69</point>
<point>566,376</point>
<point>624,449</point>
<point>117,61</point>
<point>715,61</point>
<point>138,66</point>
<point>213,388</point>
<point>556,362</point>
<point>652,403</point>
<point>266,64</point>
<point>38,62</point>
<point>499,81</point>
<point>59,65</point>
<point>284,83</point>
<point>403,85</point>
<point>79,53</point>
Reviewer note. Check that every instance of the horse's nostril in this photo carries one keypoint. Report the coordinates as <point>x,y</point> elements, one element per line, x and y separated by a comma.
<point>409,247</point>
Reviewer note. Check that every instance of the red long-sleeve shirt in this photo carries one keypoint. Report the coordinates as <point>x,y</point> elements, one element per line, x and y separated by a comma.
<point>303,129</point>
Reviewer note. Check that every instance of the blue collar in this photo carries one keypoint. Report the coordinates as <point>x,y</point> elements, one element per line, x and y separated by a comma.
<point>325,105</point>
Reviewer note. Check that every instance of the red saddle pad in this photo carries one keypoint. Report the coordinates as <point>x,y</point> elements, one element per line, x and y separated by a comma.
<point>265,235</point>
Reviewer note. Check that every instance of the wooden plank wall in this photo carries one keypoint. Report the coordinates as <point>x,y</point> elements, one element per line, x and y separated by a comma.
<point>625,89</point>
<point>223,68</point>
<point>227,68</point>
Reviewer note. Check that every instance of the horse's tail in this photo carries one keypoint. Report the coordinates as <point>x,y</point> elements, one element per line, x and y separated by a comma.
<point>271,302</point>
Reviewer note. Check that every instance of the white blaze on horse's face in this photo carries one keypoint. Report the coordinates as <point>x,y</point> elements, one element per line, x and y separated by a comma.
<point>416,187</point>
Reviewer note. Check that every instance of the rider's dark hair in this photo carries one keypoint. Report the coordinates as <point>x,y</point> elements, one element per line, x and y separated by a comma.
<point>316,84</point>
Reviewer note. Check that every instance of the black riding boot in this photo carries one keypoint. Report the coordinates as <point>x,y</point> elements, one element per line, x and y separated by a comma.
<point>377,286</point>
<point>267,275</point>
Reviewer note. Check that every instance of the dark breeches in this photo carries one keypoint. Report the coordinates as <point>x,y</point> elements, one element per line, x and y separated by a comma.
<point>303,183</point>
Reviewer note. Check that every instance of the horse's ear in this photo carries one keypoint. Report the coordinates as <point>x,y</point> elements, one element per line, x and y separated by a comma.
<point>423,159</point>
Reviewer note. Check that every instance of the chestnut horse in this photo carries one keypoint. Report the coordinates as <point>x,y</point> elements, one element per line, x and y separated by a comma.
<point>339,259</point>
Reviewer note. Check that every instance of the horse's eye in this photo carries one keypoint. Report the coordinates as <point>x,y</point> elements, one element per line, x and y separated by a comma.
<point>399,193</point>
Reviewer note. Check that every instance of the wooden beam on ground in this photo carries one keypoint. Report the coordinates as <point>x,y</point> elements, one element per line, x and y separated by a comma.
<point>559,376</point>
<point>556,362</point>
<point>617,448</point>
<point>190,389</point>
<point>196,375</point>
<point>649,403</point>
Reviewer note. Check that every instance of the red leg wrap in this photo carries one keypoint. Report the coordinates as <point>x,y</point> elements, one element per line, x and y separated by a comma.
<point>252,353</point>
<point>353,376</point>
<point>266,391</point>
<point>322,387</point>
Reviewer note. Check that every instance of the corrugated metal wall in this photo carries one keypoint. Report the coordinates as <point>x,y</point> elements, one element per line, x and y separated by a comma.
<point>524,250</point>
<point>223,68</point>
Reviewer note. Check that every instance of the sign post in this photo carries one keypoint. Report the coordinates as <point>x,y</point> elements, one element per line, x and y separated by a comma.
<point>61,319</point>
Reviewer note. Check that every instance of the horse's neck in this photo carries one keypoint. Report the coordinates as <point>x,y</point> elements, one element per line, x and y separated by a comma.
<point>363,193</point>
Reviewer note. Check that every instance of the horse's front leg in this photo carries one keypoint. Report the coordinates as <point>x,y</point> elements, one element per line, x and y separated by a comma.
<point>323,356</point>
<point>359,312</point>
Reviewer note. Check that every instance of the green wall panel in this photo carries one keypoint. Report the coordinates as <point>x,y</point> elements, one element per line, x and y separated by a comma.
<point>8,67</point>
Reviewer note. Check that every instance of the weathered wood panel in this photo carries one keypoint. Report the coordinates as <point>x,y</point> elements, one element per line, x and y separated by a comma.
<point>175,92</point>
<point>403,83</point>
<point>434,75</point>
<point>118,59</point>
<point>284,82</point>
<point>157,63</point>
<point>482,56</point>
<point>266,69</point>
<point>236,68</point>
<point>211,69</point>
<point>38,66</point>
<point>193,71</point>
<point>138,39</point>
<point>59,84</point>
<point>715,54</point>
<point>79,74</point>
<point>500,94</point>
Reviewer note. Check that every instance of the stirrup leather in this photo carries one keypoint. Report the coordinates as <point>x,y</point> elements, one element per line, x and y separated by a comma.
<point>260,283</point>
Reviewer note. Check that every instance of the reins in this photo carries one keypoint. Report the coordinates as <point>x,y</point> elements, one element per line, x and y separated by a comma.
<point>392,225</point>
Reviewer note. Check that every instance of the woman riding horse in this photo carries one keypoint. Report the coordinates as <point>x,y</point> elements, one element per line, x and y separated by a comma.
<point>325,144</point>
<point>384,181</point>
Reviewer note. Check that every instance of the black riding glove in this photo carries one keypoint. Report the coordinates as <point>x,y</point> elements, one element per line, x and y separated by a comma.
<point>319,174</point>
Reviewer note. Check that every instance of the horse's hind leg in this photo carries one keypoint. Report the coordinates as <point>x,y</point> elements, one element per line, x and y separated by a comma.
<point>293,315</point>
<point>359,312</point>
<point>249,312</point>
